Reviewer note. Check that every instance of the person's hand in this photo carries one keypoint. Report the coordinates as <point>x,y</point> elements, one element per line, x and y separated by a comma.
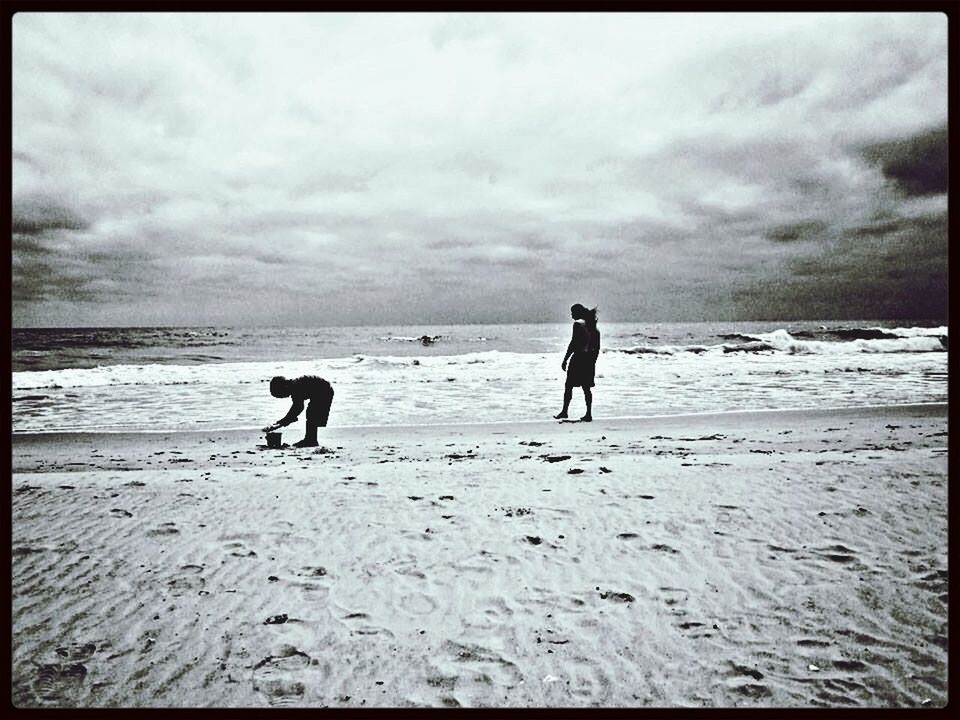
<point>271,428</point>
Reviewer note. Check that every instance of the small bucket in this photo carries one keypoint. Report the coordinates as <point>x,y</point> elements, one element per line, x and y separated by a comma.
<point>273,440</point>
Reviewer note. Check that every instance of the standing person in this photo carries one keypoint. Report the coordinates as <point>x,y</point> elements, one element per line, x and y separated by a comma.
<point>582,352</point>
<point>309,387</point>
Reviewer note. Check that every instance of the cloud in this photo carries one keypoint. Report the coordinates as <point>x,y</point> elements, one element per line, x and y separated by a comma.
<point>35,215</point>
<point>886,269</point>
<point>441,167</point>
<point>917,164</point>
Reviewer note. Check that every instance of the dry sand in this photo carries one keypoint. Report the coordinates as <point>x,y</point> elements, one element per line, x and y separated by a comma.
<point>765,559</point>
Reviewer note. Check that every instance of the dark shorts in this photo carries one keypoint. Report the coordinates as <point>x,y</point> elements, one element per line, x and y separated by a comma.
<point>580,370</point>
<point>318,411</point>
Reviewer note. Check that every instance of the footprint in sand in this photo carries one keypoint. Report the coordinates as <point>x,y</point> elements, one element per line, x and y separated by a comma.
<point>168,528</point>
<point>238,545</point>
<point>312,571</point>
<point>588,680</point>
<point>754,691</point>
<point>187,581</point>
<point>475,663</point>
<point>282,677</point>
<point>660,547</point>
<point>935,581</point>
<point>838,554</point>
<point>744,671</point>
<point>675,599</point>
<point>417,603</point>
<point>77,652</point>
<point>310,579</point>
<point>59,682</point>
<point>357,622</point>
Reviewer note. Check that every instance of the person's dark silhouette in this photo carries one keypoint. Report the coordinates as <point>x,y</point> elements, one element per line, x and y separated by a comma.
<point>582,353</point>
<point>309,387</point>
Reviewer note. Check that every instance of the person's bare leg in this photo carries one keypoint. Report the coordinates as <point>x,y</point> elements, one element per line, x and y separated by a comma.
<point>309,437</point>
<point>567,396</point>
<point>588,398</point>
<point>317,414</point>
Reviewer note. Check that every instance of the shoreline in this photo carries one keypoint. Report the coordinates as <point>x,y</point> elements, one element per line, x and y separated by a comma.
<point>934,408</point>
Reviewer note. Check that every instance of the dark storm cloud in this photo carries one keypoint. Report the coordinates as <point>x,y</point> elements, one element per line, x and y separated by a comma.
<point>37,277</point>
<point>918,164</point>
<point>894,270</point>
<point>35,216</point>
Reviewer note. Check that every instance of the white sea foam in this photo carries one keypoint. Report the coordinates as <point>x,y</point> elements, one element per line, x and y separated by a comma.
<point>783,341</point>
<point>485,386</point>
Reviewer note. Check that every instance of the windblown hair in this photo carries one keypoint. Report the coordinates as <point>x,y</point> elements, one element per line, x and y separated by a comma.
<point>582,313</point>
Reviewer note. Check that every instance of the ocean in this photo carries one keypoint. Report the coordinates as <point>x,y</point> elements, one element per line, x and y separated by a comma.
<point>177,378</point>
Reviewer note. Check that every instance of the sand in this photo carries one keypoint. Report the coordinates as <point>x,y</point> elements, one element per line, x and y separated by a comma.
<point>786,559</point>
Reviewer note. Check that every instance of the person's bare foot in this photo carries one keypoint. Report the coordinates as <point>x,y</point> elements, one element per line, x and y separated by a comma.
<point>306,443</point>
<point>560,416</point>
<point>587,418</point>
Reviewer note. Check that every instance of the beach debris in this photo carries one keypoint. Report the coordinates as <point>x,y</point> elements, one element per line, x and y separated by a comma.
<point>533,539</point>
<point>273,578</point>
<point>516,512</point>
<point>574,471</point>
<point>446,497</point>
<point>618,596</point>
<point>531,443</point>
<point>276,619</point>
<point>554,678</point>
<point>605,469</point>
<point>555,458</point>
<point>813,668</point>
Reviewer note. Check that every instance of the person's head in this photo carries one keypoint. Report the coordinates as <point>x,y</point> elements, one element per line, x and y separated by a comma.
<point>579,312</point>
<point>280,387</point>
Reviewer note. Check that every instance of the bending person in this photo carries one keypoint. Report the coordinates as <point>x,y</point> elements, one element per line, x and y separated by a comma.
<point>582,353</point>
<point>309,387</point>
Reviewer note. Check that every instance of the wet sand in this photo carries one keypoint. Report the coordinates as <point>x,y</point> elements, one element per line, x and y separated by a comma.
<point>782,559</point>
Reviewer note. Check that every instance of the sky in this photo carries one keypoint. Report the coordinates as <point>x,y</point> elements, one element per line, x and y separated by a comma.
<point>410,168</point>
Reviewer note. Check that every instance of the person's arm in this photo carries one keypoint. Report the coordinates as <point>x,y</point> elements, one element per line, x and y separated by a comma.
<point>295,409</point>
<point>570,348</point>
